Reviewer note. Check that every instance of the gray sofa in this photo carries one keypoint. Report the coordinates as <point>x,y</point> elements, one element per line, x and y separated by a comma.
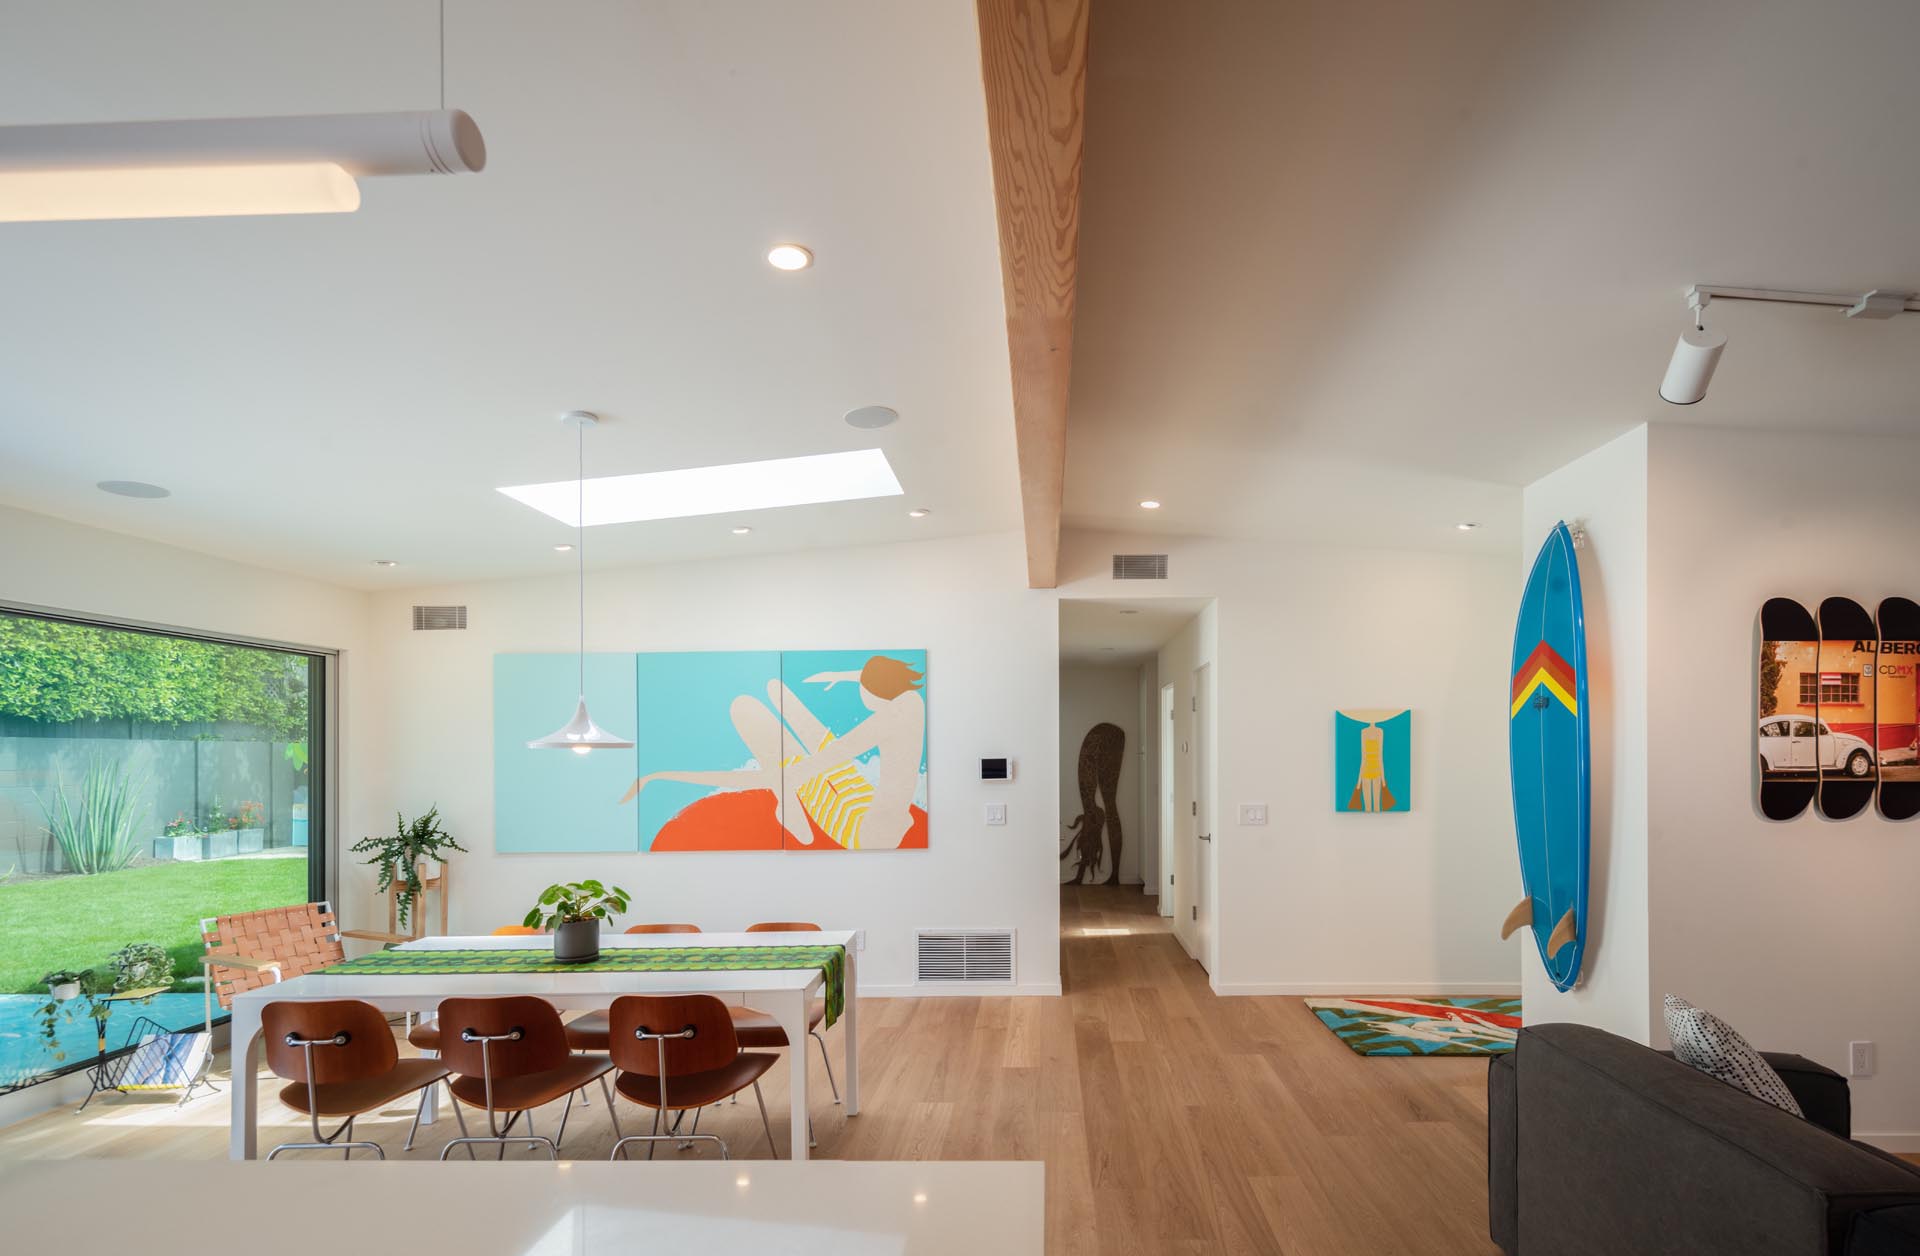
<point>1598,1146</point>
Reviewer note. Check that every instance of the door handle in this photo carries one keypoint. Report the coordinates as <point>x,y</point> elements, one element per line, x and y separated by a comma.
<point>1206,837</point>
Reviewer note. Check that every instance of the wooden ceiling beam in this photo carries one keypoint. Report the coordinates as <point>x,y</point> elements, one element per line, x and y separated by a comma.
<point>1033,61</point>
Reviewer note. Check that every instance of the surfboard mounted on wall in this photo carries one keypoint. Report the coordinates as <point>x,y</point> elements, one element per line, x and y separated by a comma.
<point>1789,767</point>
<point>1550,757</point>
<point>1849,653</point>
<point>1897,706</point>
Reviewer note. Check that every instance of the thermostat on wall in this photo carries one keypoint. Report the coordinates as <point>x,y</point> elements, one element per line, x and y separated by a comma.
<point>996,769</point>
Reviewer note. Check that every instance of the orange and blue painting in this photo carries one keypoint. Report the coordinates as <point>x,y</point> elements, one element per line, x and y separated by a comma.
<point>1372,760</point>
<point>802,750</point>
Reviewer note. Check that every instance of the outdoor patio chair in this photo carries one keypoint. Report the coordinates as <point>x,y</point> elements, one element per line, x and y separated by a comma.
<point>251,949</point>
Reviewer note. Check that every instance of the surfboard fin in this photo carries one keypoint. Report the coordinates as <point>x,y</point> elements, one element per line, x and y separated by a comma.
<point>1519,918</point>
<point>1561,935</point>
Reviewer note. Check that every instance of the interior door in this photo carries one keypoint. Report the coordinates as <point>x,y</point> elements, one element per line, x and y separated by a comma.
<point>1202,815</point>
<point>1168,822</point>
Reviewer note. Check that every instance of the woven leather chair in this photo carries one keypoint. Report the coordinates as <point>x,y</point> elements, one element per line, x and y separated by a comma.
<point>509,1055</point>
<point>339,1059</point>
<point>251,949</point>
<point>678,1053</point>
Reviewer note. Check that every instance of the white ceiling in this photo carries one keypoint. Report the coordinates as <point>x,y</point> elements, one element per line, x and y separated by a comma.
<point>1122,630</point>
<point>1351,273</point>
<point>322,391</point>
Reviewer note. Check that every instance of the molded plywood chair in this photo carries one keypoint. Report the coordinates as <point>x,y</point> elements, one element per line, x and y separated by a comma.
<point>339,1059</point>
<point>426,1034</point>
<point>589,1032</point>
<point>678,1053</point>
<point>509,1055</point>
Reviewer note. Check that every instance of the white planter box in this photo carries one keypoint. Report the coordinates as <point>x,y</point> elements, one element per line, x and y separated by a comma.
<point>251,841</point>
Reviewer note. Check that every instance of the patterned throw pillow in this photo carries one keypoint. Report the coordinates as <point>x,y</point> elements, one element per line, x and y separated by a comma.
<point>1711,1045</point>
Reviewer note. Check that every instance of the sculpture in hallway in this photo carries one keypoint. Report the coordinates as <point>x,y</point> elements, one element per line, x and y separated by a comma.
<point>1101,754</point>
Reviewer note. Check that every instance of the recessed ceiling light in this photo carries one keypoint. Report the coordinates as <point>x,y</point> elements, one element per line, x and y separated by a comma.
<point>385,562</point>
<point>789,257</point>
<point>741,531</point>
<point>1466,527</point>
<point>867,418</point>
<point>918,512</point>
<point>563,549</point>
<point>726,490</point>
<point>132,488</point>
<point>1149,504</point>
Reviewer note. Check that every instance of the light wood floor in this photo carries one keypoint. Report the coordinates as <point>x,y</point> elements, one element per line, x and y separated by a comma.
<point>1171,1121</point>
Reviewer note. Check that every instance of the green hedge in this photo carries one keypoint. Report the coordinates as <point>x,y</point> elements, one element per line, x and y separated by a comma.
<point>60,673</point>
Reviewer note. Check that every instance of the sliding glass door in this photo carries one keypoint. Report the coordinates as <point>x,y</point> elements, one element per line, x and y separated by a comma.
<point>147,781</point>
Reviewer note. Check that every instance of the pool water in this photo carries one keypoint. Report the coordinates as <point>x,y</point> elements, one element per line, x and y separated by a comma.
<point>26,1056</point>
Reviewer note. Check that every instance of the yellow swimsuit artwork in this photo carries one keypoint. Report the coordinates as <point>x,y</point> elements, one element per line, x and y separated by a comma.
<point>838,800</point>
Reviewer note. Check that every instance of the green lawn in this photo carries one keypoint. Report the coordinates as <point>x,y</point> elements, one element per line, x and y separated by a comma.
<point>78,922</point>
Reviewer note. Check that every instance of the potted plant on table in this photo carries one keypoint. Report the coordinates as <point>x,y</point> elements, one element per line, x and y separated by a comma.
<point>396,856</point>
<point>573,912</point>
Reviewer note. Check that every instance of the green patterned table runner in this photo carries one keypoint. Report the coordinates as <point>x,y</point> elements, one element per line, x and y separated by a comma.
<point>830,960</point>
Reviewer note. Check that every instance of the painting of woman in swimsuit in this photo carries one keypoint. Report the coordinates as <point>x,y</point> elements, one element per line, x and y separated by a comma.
<point>806,750</point>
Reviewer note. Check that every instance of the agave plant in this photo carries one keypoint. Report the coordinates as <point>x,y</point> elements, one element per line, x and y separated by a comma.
<point>102,834</point>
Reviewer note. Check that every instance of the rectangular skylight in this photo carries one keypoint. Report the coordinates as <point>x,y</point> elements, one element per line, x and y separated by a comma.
<point>850,476</point>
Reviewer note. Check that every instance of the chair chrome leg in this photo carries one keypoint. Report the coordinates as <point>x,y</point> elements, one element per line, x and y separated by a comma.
<point>564,1114</point>
<point>373,1147</point>
<point>764,1123</point>
<point>417,1114</point>
<point>530,1139</point>
<point>833,1085</point>
<point>653,1137</point>
<point>460,1117</point>
<point>613,1111</point>
<point>653,1140</point>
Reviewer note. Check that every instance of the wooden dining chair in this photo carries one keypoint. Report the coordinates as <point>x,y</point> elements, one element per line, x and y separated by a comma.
<point>509,1055</point>
<point>339,1059</point>
<point>760,1031</point>
<point>678,1053</point>
<point>426,1034</point>
<point>589,1032</point>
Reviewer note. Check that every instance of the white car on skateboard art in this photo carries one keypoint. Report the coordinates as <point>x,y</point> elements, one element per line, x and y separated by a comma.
<point>1800,743</point>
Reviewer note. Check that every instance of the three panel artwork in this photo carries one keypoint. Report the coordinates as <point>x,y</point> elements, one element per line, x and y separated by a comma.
<point>797,750</point>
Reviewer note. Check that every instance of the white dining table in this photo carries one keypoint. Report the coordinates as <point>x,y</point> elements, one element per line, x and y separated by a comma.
<point>783,993</point>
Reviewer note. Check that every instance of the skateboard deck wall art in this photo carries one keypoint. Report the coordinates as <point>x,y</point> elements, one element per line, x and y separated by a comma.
<point>1897,708</point>
<point>1789,650</point>
<point>1847,727</point>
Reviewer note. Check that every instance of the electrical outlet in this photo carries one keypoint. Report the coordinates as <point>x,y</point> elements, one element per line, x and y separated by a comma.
<point>1253,813</point>
<point>1860,1059</point>
<point>996,813</point>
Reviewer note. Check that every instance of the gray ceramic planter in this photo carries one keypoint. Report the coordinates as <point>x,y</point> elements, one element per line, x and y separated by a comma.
<point>577,941</point>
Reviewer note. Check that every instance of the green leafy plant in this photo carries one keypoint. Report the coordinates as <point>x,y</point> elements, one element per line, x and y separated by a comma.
<point>65,976</point>
<point>103,833</point>
<point>295,753</point>
<point>401,852</point>
<point>576,900</point>
<point>140,966</point>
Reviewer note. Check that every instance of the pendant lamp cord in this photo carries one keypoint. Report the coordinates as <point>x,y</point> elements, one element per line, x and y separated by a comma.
<point>443,54</point>
<point>580,545</point>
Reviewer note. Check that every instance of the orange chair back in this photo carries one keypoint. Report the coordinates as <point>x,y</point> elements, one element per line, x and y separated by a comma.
<point>368,1051</point>
<point>542,1044</point>
<point>713,1044</point>
<point>300,938</point>
<point>783,926</point>
<point>515,931</point>
<point>663,929</point>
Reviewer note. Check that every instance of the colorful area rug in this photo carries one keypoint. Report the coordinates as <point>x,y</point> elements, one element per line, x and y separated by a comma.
<point>830,960</point>
<point>1421,1026</point>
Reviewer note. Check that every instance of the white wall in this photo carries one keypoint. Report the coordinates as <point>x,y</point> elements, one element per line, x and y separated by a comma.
<point>993,660</point>
<point>1146,760</point>
<point>1800,934</point>
<point>47,562</point>
<point>1606,491</point>
<point>1092,694</point>
<point>1320,902</point>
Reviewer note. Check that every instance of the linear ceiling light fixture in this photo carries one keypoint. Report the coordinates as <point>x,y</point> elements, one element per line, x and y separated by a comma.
<point>580,734</point>
<point>1698,352</point>
<point>219,167</point>
<point>732,489</point>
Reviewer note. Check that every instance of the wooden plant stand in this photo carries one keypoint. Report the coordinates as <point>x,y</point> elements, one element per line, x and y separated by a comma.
<point>435,885</point>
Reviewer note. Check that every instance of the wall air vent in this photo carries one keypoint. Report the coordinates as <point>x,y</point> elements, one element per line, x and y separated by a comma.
<point>439,618</point>
<point>1139,566</point>
<point>966,955</point>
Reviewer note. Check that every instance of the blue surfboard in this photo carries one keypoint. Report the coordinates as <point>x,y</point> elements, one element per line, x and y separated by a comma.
<point>1550,759</point>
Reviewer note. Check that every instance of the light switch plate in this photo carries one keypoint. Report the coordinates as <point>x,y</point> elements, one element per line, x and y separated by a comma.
<point>996,813</point>
<point>1253,813</point>
<point>1860,1061</point>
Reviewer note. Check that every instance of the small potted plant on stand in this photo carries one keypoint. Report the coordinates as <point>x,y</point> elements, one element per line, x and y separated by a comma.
<point>573,912</point>
<point>396,856</point>
<point>64,983</point>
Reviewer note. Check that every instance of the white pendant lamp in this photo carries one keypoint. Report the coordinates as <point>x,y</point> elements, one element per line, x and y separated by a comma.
<point>580,734</point>
<point>221,167</point>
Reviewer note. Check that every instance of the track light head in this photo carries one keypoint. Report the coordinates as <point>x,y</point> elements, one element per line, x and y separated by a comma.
<point>1691,368</point>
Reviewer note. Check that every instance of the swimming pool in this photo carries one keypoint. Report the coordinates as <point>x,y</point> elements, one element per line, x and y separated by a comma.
<point>26,1056</point>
